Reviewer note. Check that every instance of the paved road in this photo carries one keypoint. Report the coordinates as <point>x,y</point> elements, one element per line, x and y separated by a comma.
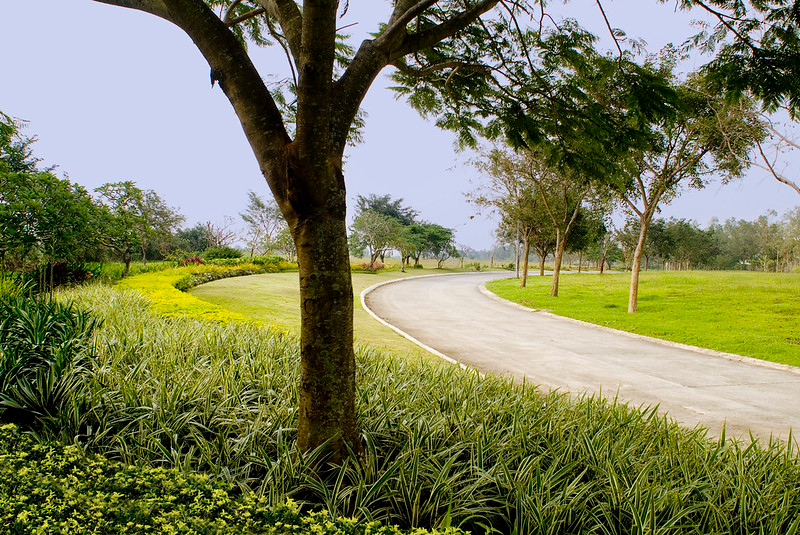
<point>451,315</point>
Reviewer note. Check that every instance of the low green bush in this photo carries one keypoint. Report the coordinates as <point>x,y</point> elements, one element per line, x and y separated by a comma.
<point>220,252</point>
<point>47,488</point>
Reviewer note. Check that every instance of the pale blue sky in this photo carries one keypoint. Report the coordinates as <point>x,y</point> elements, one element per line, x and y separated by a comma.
<point>115,94</point>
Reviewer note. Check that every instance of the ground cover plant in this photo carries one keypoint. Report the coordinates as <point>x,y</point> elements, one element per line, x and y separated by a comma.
<point>443,447</point>
<point>50,488</point>
<point>746,313</point>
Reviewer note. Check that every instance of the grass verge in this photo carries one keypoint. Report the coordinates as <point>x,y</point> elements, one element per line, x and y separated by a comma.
<point>746,313</point>
<point>275,299</point>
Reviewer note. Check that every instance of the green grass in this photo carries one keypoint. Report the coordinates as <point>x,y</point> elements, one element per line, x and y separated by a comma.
<point>275,299</point>
<point>747,313</point>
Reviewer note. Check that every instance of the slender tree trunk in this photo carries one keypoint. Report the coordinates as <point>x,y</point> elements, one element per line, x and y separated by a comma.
<point>127,259</point>
<point>372,258</point>
<point>542,258</point>
<point>580,260</point>
<point>561,245</point>
<point>527,248</point>
<point>633,296</point>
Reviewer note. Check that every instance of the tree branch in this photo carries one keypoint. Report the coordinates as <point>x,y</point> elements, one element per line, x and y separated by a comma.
<point>427,38</point>
<point>249,15</point>
<point>291,21</point>
<point>402,15</point>
<point>154,7</point>
<point>240,81</point>
<point>779,177</point>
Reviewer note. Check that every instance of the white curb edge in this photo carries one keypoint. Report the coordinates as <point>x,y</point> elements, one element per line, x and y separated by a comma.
<point>711,352</point>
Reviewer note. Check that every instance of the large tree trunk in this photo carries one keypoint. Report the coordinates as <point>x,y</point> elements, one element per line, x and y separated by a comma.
<point>327,380</point>
<point>633,295</point>
<point>527,248</point>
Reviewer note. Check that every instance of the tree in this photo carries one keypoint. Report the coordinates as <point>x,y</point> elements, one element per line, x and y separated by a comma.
<point>46,219</point>
<point>563,197</point>
<point>376,232</point>
<point>220,233</point>
<point>300,150</point>
<point>703,139</point>
<point>510,195</point>
<point>193,240</point>
<point>439,243</point>
<point>266,227</point>
<point>384,204</point>
<point>130,219</point>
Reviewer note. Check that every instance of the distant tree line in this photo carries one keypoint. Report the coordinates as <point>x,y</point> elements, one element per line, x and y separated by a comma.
<point>50,225</point>
<point>768,243</point>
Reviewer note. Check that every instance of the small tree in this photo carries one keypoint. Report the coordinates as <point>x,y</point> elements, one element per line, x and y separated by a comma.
<point>703,139</point>
<point>267,229</point>
<point>131,219</point>
<point>377,232</point>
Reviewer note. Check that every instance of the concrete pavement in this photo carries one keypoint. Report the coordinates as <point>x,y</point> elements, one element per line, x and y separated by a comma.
<point>452,316</point>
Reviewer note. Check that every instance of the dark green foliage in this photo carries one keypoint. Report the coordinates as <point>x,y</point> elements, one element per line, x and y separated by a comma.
<point>383,204</point>
<point>45,355</point>
<point>221,252</point>
<point>760,49</point>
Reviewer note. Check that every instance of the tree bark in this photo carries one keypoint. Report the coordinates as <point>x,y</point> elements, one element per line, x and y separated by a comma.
<point>327,378</point>
<point>527,248</point>
<point>633,295</point>
<point>561,244</point>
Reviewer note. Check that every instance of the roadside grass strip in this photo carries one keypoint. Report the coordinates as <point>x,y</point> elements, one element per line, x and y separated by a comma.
<point>746,313</point>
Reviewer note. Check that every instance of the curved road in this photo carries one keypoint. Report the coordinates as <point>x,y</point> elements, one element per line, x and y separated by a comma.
<point>451,315</point>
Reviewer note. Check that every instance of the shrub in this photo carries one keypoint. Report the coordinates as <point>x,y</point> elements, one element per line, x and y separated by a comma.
<point>192,260</point>
<point>374,267</point>
<point>45,352</point>
<point>221,252</point>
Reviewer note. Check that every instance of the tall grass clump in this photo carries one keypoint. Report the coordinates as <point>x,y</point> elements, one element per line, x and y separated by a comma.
<point>443,447</point>
<point>45,361</point>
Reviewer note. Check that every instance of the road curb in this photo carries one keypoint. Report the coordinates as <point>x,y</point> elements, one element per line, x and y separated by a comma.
<point>404,334</point>
<point>711,352</point>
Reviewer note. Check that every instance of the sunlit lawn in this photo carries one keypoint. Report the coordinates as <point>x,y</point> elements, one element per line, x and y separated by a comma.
<point>747,313</point>
<point>276,299</point>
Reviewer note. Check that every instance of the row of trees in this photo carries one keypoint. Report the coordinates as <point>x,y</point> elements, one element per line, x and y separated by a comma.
<point>768,243</point>
<point>47,221</point>
<point>382,224</point>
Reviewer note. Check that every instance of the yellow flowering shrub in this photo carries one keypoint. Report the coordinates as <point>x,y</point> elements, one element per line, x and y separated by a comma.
<point>167,289</point>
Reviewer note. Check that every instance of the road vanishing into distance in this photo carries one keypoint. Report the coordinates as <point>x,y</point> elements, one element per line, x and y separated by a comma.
<point>458,319</point>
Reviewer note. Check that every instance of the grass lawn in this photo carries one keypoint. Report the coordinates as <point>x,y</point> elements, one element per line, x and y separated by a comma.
<point>747,313</point>
<point>275,298</point>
